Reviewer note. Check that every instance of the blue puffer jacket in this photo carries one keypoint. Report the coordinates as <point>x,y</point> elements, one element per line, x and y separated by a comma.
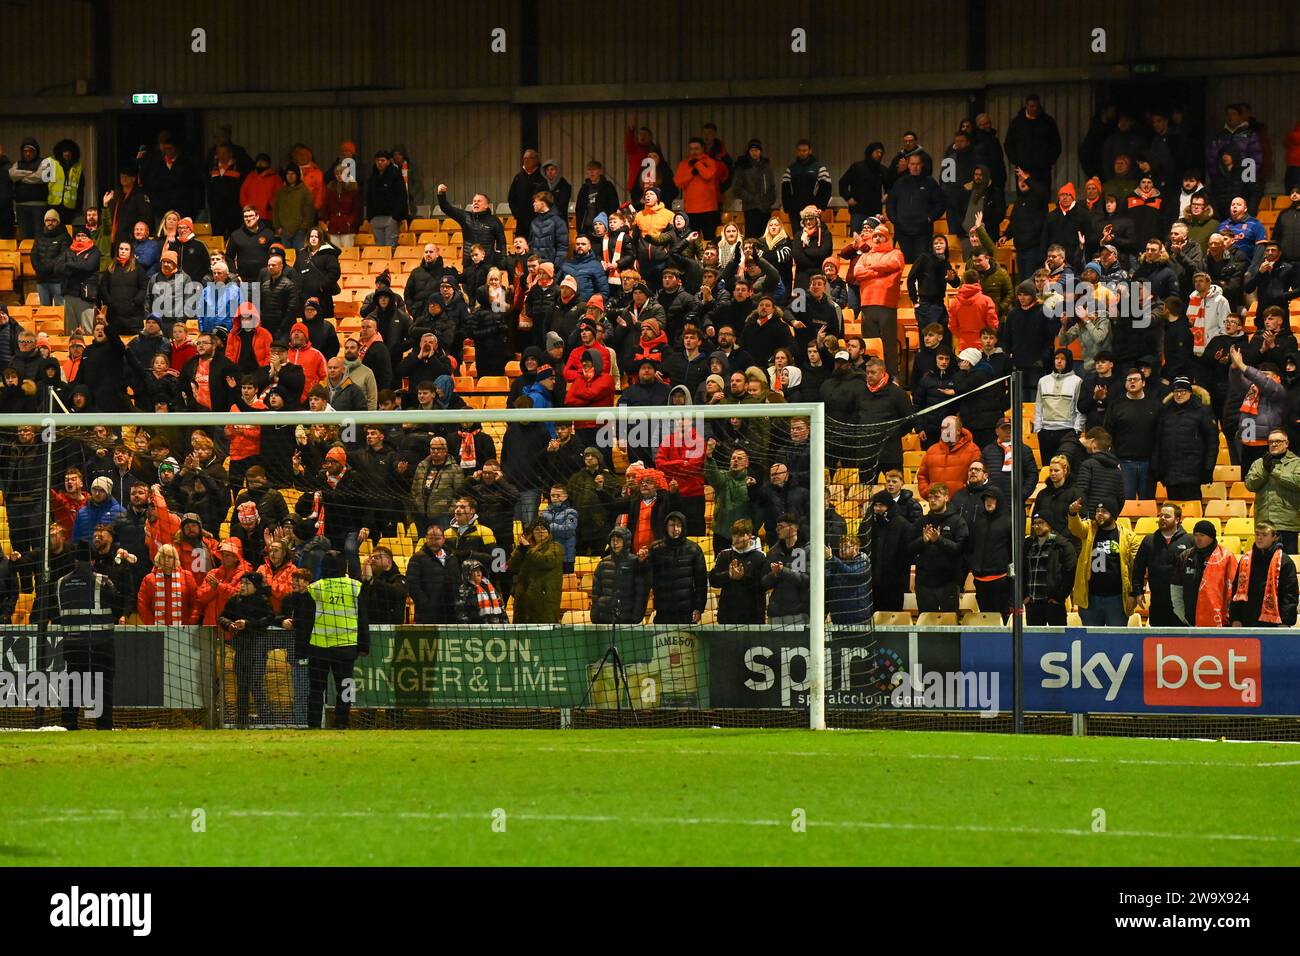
<point>92,515</point>
<point>589,273</point>
<point>563,524</point>
<point>548,236</point>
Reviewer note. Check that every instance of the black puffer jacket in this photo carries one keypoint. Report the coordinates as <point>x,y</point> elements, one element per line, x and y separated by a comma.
<point>50,253</point>
<point>483,228</point>
<point>679,577</point>
<point>1099,480</point>
<point>982,409</point>
<point>989,545</point>
<point>318,278</point>
<point>123,292</point>
<point>1187,443</point>
<point>432,585</point>
<point>842,393</point>
<point>888,538</point>
<point>790,586</point>
<point>939,562</point>
<point>618,588</point>
<point>1054,505</point>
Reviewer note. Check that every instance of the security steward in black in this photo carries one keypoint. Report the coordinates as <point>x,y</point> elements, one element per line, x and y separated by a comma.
<point>84,603</point>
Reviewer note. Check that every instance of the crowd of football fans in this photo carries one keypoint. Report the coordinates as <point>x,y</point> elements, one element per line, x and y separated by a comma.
<point>1148,308</point>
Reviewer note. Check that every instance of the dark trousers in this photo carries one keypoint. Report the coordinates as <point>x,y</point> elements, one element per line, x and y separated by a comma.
<point>983,437</point>
<point>338,662</point>
<point>1049,440</point>
<point>250,676</point>
<point>706,224</point>
<point>1290,541</point>
<point>89,656</point>
<point>927,312</point>
<point>882,322</point>
<point>943,597</point>
<point>1044,614</point>
<point>1028,261</point>
<point>994,596</point>
<point>1160,610</point>
<point>913,246</point>
<point>755,222</point>
<point>1178,492</point>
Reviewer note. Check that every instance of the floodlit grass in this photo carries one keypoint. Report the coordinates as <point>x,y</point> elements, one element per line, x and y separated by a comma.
<point>641,798</point>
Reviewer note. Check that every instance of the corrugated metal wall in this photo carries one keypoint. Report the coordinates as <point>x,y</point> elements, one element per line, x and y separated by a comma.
<point>329,44</point>
<point>682,40</point>
<point>1199,28</point>
<point>1058,33</point>
<point>466,147</point>
<point>276,131</point>
<point>1070,104</point>
<point>44,47</point>
<point>48,132</point>
<point>839,129</point>
<point>470,149</point>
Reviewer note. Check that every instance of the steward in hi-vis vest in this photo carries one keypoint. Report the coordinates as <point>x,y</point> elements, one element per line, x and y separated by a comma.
<point>340,633</point>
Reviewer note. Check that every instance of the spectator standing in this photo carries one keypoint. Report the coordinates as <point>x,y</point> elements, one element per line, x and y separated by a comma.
<point>1104,572</point>
<point>1050,559</point>
<point>386,203</point>
<point>1033,142</point>
<point>1201,591</point>
<point>1133,420</point>
<point>937,546</point>
<point>806,181</point>
<point>1156,565</point>
<point>1264,589</point>
<point>1274,477</point>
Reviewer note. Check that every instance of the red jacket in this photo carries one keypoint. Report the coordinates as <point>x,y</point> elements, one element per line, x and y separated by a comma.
<point>968,313</point>
<point>220,585</point>
<point>681,459</point>
<point>312,363</point>
<point>189,613</point>
<point>261,346</point>
<point>342,210</point>
<point>185,551</point>
<point>880,276</point>
<point>280,582</point>
<point>948,465</point>
<point>182,354</point>
<point>594,394</point>
<point>259,191</point>
<point>65,508</point>
<point>245,440</point>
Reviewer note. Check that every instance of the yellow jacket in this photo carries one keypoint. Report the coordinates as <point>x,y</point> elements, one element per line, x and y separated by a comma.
<point>1085,529</point>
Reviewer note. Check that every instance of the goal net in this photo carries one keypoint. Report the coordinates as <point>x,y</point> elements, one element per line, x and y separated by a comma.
<point>523,567</point>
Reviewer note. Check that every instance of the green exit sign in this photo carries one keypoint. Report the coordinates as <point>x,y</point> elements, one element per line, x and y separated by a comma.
<point>144,99</point>
<point>1144,68</point>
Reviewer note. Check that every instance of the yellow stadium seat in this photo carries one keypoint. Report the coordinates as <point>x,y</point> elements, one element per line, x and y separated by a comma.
<point>1225,509</point>
<point>1240,527</point>
<point>935,618</point>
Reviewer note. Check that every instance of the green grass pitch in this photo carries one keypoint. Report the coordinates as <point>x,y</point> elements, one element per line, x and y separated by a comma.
<point>641,798</point>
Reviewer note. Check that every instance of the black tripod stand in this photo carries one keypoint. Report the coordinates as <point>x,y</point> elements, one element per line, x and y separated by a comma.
<point>614,661</point>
